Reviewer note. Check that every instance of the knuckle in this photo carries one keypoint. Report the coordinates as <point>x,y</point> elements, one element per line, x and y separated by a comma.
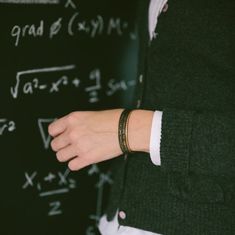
<point>71,117</point>
<point>72,136</point>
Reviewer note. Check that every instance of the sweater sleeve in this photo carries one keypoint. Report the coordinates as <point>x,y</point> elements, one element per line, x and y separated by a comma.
<point>201,142</point>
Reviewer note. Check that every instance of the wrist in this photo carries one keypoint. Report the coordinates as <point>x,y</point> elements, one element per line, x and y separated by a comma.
<point>139,130</point>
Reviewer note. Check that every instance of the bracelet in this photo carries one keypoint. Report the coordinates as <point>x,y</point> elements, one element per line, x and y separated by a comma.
<point>123,131</point>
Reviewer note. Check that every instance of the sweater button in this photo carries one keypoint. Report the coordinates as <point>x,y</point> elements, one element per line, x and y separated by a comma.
<point>122,214</point>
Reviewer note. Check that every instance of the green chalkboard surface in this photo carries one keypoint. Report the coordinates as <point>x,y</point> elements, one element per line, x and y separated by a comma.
<point>57,57</point>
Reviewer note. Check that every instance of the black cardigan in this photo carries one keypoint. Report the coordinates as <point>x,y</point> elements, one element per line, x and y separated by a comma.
<point>188,73</point>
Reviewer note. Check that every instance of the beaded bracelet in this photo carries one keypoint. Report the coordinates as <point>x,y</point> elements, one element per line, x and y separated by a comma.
<point>123,131</point>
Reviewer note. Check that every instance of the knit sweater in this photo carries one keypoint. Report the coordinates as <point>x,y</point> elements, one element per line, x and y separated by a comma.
<point>188,73</point>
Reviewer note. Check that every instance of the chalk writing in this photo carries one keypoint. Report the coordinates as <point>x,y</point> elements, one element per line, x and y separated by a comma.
<point>28,88</point>
<point>6,126</point>
<point>73,25</point>
<point>70,3</point>
<point>27,30</point>
<point>57,183</point>
<point>90,230</point>
<point>30,1</point>
<point>60,183</point>
<point>38,40</point>
<point>29,85</point>
<point>93,90</point>
<point>103,179</point>
<point>43,128</point>
<point>114,86</point>
<point>55,208</point>
<point>55,28</point>
<point>29,179</point>
<point>96,26</point>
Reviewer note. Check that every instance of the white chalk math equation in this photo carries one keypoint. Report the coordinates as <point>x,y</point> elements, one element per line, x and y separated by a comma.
<point>29,2</point>
<point>6,126</point>
<point>33,85</point>
<point>59,183</point>
<point>72,26</point>
<point>67,3</point>
<point>98,26</point>
<point>43,124</point>
<point>52,80</point>
<point>104,179</point>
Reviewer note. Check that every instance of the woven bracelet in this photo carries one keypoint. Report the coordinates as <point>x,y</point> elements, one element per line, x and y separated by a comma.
<point>123,131</point>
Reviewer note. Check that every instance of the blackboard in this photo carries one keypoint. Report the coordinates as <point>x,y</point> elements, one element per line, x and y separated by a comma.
<point>57,57</point>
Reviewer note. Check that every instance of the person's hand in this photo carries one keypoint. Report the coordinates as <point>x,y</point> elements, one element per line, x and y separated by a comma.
<point>85,138</point>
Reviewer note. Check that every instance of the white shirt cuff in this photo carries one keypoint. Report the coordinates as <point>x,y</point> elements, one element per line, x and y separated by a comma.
<point>155,138</point>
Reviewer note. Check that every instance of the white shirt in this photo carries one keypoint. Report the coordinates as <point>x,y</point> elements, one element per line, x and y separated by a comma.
<point>112,227</point>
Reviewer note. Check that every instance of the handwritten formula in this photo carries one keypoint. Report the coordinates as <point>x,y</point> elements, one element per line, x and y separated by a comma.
<point>58,56</point>
<point>40,82</point>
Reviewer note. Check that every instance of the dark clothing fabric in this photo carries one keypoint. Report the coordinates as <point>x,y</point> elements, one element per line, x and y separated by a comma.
<point>188,73</point>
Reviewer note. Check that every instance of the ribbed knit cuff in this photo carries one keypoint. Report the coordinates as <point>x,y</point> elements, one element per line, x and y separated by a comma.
<point>176,140</point>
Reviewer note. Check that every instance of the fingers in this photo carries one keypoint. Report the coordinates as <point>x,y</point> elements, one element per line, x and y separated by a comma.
<point>60,142</point>
<point>78,163</point>
<point>75,161</point>
<point>66,154</point>
<point>58,126</point>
